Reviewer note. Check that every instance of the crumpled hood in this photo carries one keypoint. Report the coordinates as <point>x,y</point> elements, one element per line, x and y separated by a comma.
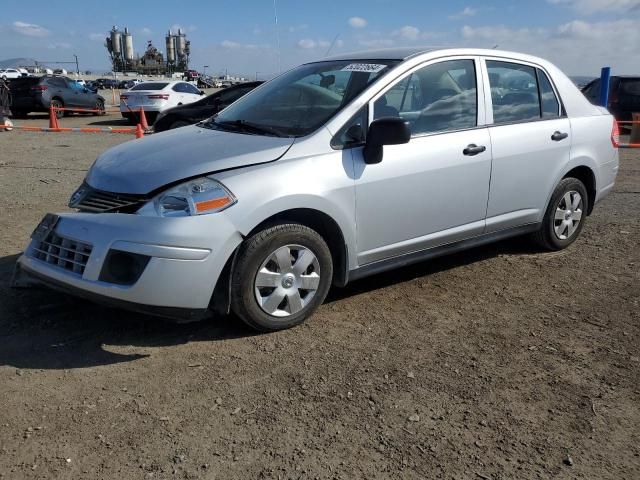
<point>141,166</point>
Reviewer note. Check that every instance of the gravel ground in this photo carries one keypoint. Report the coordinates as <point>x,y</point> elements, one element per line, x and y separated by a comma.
<point>501,362</point>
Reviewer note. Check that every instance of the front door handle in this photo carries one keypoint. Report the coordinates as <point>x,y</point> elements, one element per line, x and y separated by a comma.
<point>557,136</point>
<point>473,149</point>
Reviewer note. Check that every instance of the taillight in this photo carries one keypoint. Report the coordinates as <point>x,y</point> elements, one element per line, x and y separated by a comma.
<point>615,134</point>
<point>159,96</point>
<point>39,88</point>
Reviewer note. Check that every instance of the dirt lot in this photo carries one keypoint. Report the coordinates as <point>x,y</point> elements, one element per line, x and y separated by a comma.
<point>498,363</point>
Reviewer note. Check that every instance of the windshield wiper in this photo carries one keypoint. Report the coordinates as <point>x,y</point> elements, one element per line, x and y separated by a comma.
<point>250,127</point>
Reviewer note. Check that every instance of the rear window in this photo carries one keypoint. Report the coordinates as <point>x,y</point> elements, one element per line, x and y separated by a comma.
<point>630,87</point>
<point>24,82</point>
<point>150,86</point>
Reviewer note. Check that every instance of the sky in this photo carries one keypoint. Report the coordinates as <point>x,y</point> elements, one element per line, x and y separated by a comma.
<point>241,37</point>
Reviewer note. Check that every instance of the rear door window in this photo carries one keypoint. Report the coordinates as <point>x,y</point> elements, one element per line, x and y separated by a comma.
<point>57,82</point>
<point>550,107</point>
<point>514,92</point>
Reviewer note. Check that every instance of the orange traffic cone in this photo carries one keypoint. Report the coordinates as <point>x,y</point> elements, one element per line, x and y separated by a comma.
<point>143,120</point>
<point>139,131</point>
<point>53,117</point>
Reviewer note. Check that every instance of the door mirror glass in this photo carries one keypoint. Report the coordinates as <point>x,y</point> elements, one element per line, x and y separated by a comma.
<point>385,131</point>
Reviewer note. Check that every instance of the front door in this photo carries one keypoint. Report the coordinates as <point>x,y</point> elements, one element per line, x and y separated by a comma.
<point>432,190</point>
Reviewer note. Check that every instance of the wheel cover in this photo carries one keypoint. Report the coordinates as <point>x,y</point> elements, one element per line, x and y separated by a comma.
<point>568,215</point>
<point>287,280</point>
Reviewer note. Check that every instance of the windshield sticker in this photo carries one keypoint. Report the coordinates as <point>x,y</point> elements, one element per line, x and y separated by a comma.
<point>363,67</point>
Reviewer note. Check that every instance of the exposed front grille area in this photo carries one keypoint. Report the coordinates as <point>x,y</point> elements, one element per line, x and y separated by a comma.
<point>88,199</point>
<point>62,252</point>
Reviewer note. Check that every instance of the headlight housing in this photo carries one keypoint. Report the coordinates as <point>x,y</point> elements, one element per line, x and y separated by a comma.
<point>200,196</point>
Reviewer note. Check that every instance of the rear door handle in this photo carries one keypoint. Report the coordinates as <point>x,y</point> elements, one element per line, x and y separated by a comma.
<point>473,149</point>
<point>557,136</point>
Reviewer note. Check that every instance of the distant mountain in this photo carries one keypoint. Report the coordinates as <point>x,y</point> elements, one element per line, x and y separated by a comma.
<point>16,62</point>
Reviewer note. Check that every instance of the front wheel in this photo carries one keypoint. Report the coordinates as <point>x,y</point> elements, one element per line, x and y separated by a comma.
<point>282,274</point>
<point>565,215</point>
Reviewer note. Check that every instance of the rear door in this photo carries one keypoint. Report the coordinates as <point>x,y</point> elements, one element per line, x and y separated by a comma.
<point>530,141</point>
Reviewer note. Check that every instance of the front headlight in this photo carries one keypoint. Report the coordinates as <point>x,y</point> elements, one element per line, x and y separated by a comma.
<point>200,196</point>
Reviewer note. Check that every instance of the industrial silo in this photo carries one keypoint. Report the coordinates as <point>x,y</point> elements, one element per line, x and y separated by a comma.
<point>128,46</point>
<point>171,48</point>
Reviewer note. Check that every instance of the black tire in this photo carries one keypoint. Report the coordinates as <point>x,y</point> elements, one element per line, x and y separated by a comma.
<point>57,103</point>
<point>547,237</point>
<point>99,106</point>
<point>179,124</point>
<point>256,250</point>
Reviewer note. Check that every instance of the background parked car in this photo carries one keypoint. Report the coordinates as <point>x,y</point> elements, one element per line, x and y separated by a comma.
<point>204,108</point>
<point>624,95</point>
<point>106,83</point>
<point>36,94</point>
<point>11,73</point>
<point>156,97</point>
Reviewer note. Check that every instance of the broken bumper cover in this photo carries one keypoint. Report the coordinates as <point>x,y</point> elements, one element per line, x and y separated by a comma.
<point>185,258</point>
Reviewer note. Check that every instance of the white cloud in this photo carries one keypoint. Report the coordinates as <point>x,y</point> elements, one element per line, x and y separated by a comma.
<point>54,46</point>
<point>30,29</point>
<point>230,44</point>
<point>465,13</point>
<point>594,6</point>
<point>407,32</point>
<point>97,36</point>
<point>176,26</point>
<point>298,28</point>
<point>564,44</point>
<point>145,31</point>
<point>307,43</point>
<point>376,42</point>
<point>357,22</point>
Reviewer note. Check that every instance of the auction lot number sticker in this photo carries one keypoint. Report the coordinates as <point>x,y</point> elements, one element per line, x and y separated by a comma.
<point>363,67</point>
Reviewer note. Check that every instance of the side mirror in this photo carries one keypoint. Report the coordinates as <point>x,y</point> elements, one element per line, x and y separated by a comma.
<point>385,131</point>
<point>201,92</point>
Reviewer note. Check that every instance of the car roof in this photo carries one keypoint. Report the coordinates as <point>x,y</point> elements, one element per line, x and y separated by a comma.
<point>406,53</point>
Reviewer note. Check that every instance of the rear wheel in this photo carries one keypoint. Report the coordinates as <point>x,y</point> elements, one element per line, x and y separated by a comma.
<point>565,215</point>
<point>100,107</point>
<point>282,274</point>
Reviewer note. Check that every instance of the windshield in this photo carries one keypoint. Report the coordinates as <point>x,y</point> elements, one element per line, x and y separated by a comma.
<point>150,86</point>
<point>301,100</point>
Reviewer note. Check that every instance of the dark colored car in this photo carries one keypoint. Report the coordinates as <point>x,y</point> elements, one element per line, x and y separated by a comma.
<point>191,113</point>
<point>91,86</point>
<point>106,83</point>
<point>624,95</point>
<point>37,94</point>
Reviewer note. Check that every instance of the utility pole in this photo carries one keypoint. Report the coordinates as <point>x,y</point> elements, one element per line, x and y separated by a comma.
<point>77,69</point>
<point>204,70</point>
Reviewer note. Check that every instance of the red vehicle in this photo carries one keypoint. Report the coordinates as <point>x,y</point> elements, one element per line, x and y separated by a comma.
<point>191,75</point>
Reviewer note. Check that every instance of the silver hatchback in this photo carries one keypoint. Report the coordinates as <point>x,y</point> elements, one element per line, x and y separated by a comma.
<point>334,170</point>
